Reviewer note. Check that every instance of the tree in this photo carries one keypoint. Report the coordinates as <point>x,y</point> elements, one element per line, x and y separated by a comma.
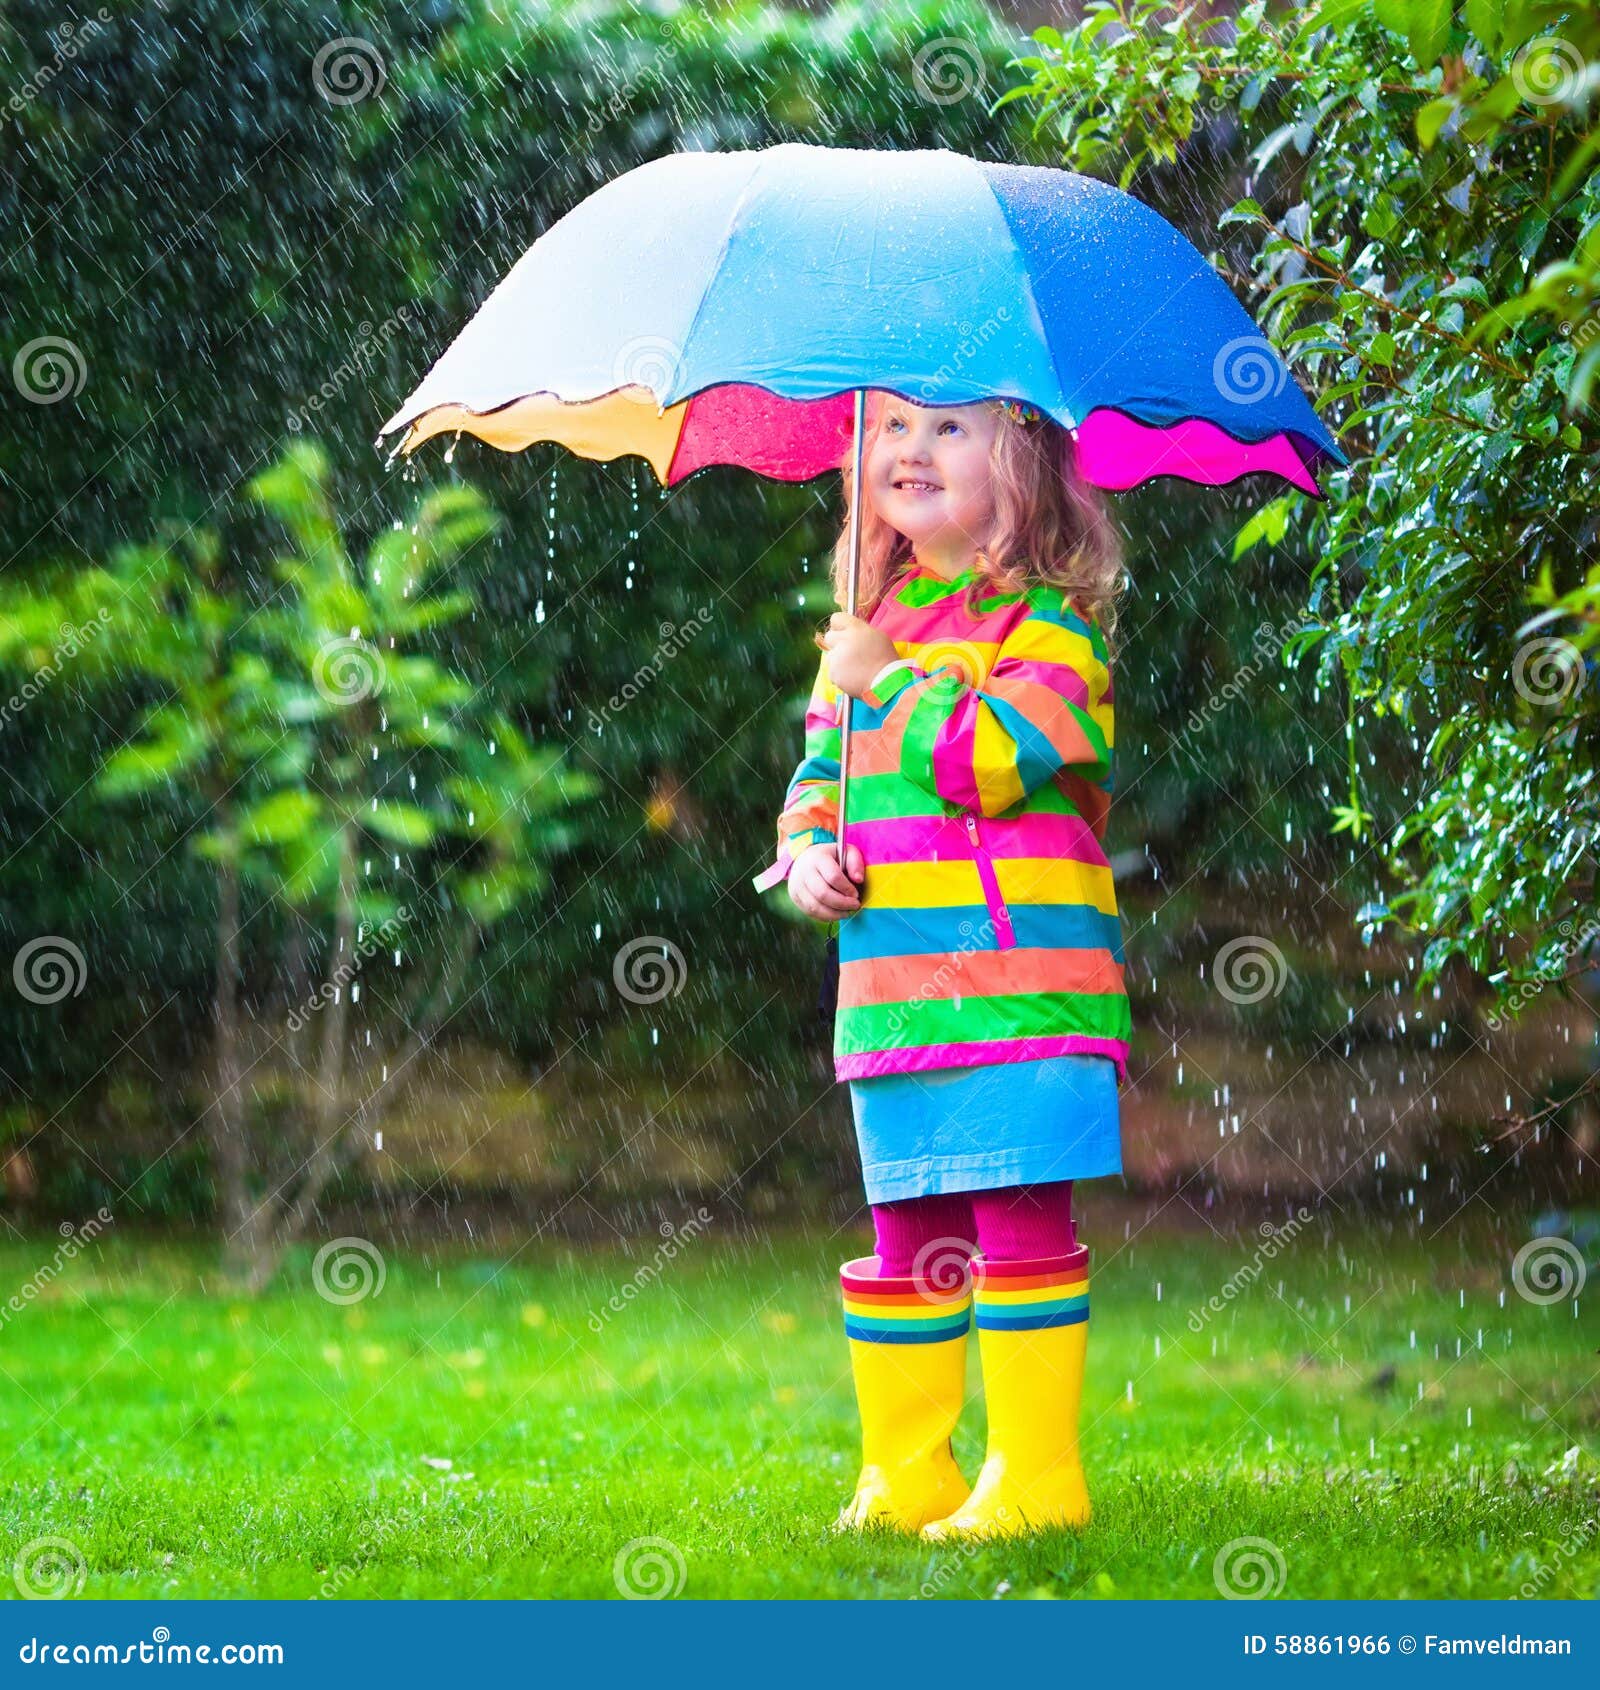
<point>338,769</point>
<point>1423,241</point>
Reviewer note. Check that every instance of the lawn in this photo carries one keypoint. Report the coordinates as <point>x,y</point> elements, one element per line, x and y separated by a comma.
<point>1384,1410</point>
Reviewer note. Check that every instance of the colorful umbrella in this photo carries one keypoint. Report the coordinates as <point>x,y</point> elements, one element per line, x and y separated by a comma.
<point>734,308</point>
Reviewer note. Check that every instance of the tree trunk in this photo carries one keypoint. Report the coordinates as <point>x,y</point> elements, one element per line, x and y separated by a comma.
<point>226,1126</point>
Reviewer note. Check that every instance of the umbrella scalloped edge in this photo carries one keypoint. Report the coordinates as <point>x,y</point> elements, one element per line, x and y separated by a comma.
<point>798,439</point>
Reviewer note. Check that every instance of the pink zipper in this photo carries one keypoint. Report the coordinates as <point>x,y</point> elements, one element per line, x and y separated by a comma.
<point>999,915</point>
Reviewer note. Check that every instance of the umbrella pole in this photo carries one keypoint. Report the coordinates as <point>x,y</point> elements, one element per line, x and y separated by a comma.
<point>851,578</point>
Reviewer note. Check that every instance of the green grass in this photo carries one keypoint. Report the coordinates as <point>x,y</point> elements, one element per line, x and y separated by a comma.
<point>198,1446</point>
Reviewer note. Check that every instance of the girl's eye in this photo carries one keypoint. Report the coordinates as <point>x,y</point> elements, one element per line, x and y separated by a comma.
<point>948,424</point>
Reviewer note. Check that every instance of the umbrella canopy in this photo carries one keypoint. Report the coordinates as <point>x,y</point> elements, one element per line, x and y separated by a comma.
<point>722,308</point>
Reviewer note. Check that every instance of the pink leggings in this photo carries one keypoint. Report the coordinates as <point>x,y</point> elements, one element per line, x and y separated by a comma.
<point>1015,1223</point>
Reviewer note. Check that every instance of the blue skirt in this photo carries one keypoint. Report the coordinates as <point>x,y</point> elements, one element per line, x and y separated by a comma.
<point>972,1129</point>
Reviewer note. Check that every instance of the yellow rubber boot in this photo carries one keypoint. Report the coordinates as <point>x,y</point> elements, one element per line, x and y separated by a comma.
<point>1033,1330</point>
<point>908,1352</point>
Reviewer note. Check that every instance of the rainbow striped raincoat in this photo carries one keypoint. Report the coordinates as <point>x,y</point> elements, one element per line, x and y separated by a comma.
<point>980,782</point>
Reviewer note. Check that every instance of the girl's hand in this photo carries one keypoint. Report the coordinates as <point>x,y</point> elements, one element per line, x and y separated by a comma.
<point>820,887</point>
<point>856,652</point>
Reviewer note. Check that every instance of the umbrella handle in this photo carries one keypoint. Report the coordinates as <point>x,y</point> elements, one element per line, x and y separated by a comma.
<point>851,578</point>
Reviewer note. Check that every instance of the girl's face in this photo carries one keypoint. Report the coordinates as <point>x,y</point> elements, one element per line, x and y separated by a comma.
<point>927,472</point>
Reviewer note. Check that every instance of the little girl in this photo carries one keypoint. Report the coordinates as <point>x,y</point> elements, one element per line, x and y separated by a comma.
<point>982,1020</point>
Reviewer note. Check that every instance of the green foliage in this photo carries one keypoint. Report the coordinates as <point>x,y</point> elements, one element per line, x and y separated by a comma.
<point>234,256</point>
<point>1424,229</point>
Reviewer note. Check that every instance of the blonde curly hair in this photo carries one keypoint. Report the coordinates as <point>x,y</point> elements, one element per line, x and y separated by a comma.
<point>1051,525</point>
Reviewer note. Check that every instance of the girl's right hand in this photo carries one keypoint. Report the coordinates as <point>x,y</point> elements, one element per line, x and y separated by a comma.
<point>820,887</point>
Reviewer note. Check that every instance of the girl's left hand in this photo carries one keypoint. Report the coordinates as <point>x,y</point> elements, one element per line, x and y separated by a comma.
<point>856,652</point>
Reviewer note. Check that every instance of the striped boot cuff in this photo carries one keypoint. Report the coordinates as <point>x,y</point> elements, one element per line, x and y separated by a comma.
<point>913,1310</point>
<point>1031,1296</point>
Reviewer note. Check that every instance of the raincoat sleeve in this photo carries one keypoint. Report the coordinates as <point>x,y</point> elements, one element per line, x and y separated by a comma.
<point>1044,708</point>
<point>811,805</point>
